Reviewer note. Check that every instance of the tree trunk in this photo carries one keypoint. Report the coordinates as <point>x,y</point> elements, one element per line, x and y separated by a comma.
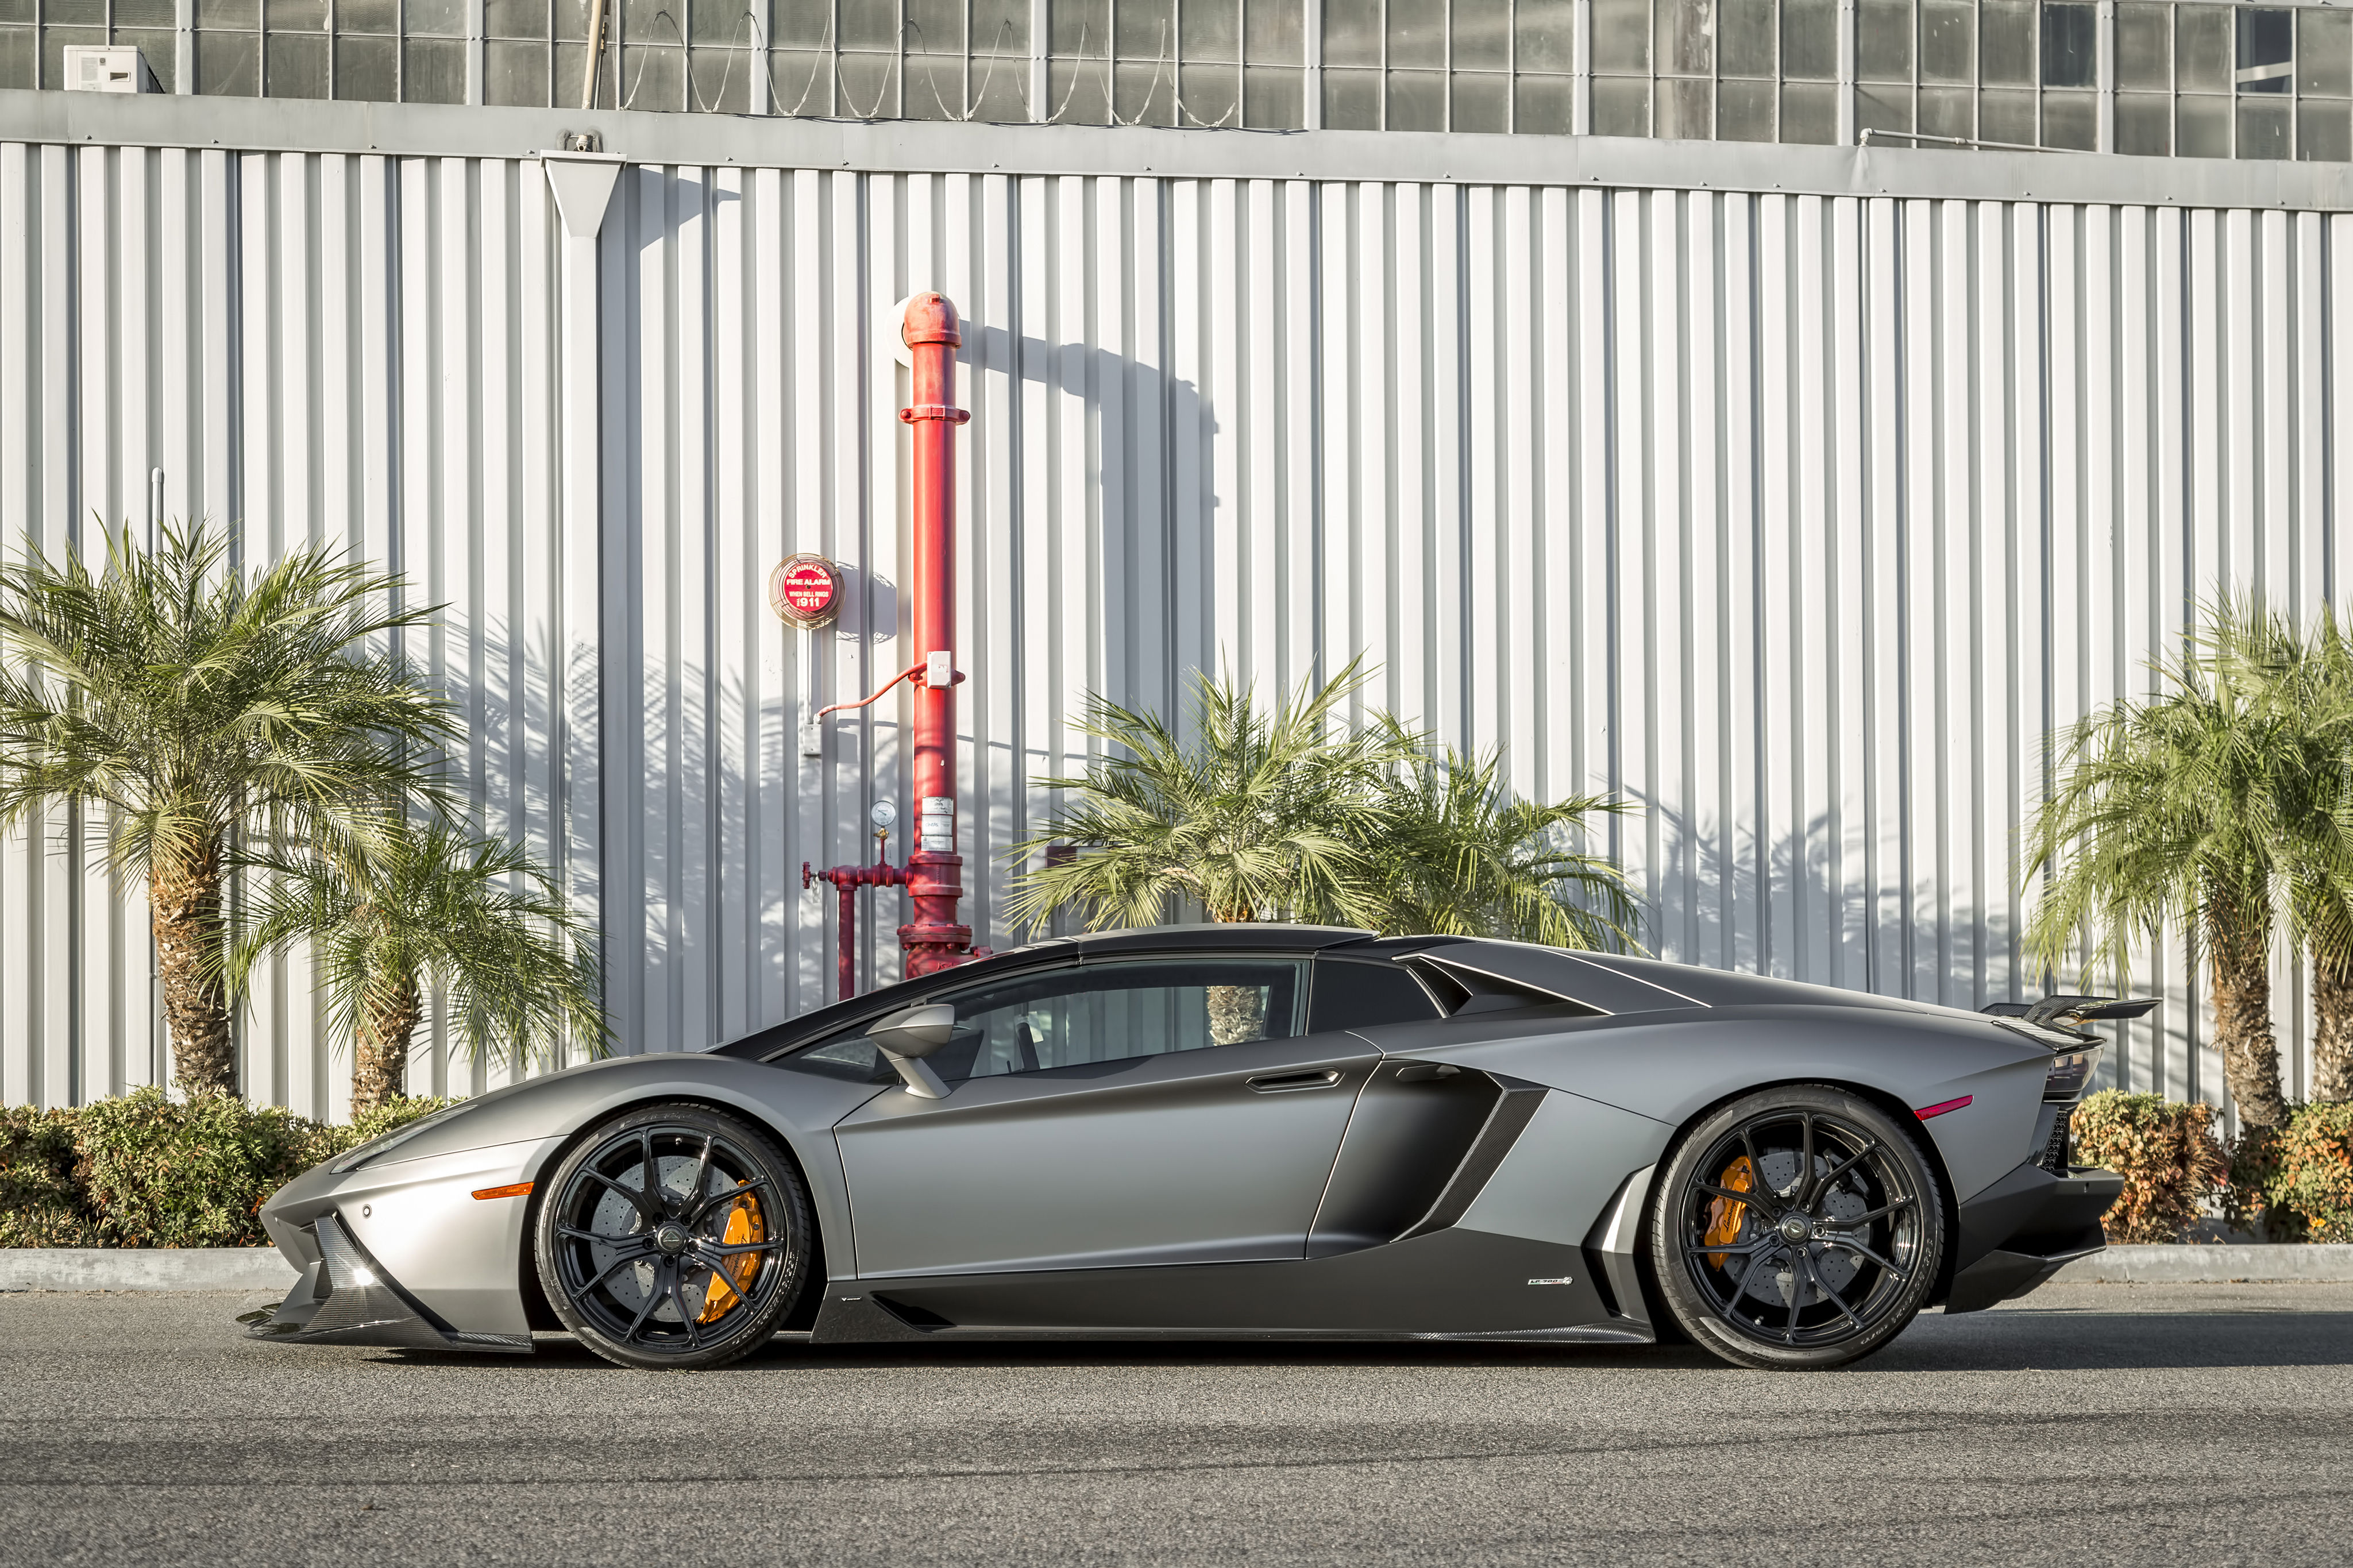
<point>2243,1014</point>
<point>1237,1013</point>
<point>184,902</point>
<point>2332,1036</point>
<point>382,1071</point>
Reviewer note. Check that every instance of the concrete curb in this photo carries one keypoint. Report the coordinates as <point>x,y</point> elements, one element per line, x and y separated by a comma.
<point>144,1268</point>
<point>2210,1265</point>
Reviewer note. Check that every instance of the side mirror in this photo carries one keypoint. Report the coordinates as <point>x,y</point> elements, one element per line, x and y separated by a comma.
<point>917,1032</point>
<point>906,1038</point>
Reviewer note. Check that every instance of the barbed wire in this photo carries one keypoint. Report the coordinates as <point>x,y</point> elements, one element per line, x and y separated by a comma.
<point>967,110</point>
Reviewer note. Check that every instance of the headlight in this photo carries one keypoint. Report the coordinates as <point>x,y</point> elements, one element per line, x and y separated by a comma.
<point>2070,1071</point>
<point>378,1148</point>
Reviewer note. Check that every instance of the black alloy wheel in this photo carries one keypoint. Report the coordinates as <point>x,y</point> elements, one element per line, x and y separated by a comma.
<point>1797,1227</point>
<point>674,1236</point>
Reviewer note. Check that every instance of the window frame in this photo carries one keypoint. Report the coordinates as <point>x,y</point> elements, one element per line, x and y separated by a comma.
<point>1302,963</point>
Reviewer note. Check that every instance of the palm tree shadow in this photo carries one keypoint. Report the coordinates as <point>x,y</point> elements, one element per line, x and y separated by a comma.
<point>1802,906</point>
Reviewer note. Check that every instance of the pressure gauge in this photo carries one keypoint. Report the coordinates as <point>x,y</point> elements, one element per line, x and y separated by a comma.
<point>884,814</point>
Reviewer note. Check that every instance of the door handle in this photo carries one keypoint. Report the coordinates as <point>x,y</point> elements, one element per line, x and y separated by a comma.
<point>1281,1082</point>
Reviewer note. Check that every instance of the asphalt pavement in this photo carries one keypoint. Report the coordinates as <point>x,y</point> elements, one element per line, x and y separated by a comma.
<point>2186,1426</point>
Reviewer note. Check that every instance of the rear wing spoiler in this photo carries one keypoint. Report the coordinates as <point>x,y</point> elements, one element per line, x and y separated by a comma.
<point>2061,1011</point>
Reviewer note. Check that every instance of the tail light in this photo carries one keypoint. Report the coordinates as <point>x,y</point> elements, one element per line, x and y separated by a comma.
<point>2070,1071</point>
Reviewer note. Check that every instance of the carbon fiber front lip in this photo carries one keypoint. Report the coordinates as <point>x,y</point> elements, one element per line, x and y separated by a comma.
<point>347,1299</point>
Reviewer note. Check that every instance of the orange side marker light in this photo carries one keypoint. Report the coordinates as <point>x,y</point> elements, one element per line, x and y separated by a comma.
<point>512,1190</point>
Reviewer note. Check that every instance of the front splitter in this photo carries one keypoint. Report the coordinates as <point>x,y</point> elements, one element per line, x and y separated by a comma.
<point>347,1299</point>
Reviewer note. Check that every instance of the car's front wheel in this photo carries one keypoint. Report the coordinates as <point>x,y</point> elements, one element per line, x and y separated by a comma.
<point>673,1236</point>
<point>1797,1227</point>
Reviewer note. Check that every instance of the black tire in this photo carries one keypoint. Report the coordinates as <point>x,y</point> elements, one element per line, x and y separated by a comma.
<point>638,1281</point>
<point>1790,1273</point>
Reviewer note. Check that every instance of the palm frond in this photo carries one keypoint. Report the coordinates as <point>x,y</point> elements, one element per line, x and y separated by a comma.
<point>417,907</point>
<point>1291,814</point>
<point>1255,816</point>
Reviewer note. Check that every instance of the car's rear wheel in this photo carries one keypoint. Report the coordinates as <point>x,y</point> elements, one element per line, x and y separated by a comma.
<point>673,1236</point>
<point>1797,1227</point>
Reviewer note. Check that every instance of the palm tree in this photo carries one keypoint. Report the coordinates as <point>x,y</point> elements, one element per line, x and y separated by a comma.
<point>199,705</point>
<point>1258,816</point>
<point>426,905</point>
<point>1457,853</point>
<point>2307,680</point>
<point>2179,808</point>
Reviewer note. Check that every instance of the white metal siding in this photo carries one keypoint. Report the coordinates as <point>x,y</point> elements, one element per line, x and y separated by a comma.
<point>1798,518</point>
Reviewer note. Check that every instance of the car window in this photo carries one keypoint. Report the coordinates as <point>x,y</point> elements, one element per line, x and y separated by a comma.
<point>1113,1012</point>
<point>1353,994</point>
<point>848,1055</point>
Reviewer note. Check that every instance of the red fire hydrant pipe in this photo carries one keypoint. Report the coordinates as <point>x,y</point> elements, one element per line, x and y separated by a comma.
<point>934,940</point>
<point>934,874</point>
<point>847,879</point>
<point>845,974</point>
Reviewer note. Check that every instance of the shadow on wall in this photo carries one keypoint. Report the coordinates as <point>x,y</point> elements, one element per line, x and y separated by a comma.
<point>1798,908</point>
<point>1707,903</point>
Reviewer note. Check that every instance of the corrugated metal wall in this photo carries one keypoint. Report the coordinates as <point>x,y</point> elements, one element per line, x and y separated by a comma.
<point>1800,520</point>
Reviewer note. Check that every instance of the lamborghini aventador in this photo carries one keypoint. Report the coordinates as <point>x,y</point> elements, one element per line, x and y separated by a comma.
<point>1254,1132</point>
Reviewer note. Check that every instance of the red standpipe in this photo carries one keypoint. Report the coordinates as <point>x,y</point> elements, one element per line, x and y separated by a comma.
<point>849,879</point>
<point>934,940</point>
<point>934,874</point>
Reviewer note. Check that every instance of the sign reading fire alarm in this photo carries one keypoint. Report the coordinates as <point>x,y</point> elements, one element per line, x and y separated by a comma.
<point>806,590</point>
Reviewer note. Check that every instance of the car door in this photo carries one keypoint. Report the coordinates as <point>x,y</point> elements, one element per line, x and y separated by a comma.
<point>1109,1114</point>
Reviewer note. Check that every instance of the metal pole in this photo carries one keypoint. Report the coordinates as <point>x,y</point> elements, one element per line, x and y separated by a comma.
<point>596,48</point>
<point>845,973</point>
<point>934,940</point>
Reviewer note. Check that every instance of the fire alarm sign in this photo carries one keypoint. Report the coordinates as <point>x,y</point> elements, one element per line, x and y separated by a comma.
<point>806,590</point>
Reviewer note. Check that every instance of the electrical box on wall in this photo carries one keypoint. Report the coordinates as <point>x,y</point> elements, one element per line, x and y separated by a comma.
<point>114,67</point>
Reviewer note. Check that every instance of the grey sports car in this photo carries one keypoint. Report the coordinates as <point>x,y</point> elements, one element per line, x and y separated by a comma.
<point>1255,1132</point>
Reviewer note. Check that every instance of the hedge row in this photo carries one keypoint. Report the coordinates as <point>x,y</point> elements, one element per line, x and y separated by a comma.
<point>2292,1184</point>
<point>147,1171</point>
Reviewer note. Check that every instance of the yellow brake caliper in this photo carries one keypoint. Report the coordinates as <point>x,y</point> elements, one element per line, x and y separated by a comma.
<point>1723,1215</point>
<point>736,1275</point>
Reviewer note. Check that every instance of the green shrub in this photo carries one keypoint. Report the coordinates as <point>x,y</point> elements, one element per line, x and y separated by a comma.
<point>41,1205</point>
<point>2317,1169</point>
<point>157,1173</point>
<point>2254,1171</point>
<point>2295,1182</point>
<point>2166,1152</point>
<point>192,1173</point>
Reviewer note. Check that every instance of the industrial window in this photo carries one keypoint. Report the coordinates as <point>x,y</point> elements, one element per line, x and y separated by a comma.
<point>2009,72</point>
<point>2071,46</point>
<point>1734,70</point>
<point>1229,63</point>
<point>1458,65</point>
<point>2191,78</point>
<point>35,34</point>
<point>922,60</point>
<point>2219,81</point>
